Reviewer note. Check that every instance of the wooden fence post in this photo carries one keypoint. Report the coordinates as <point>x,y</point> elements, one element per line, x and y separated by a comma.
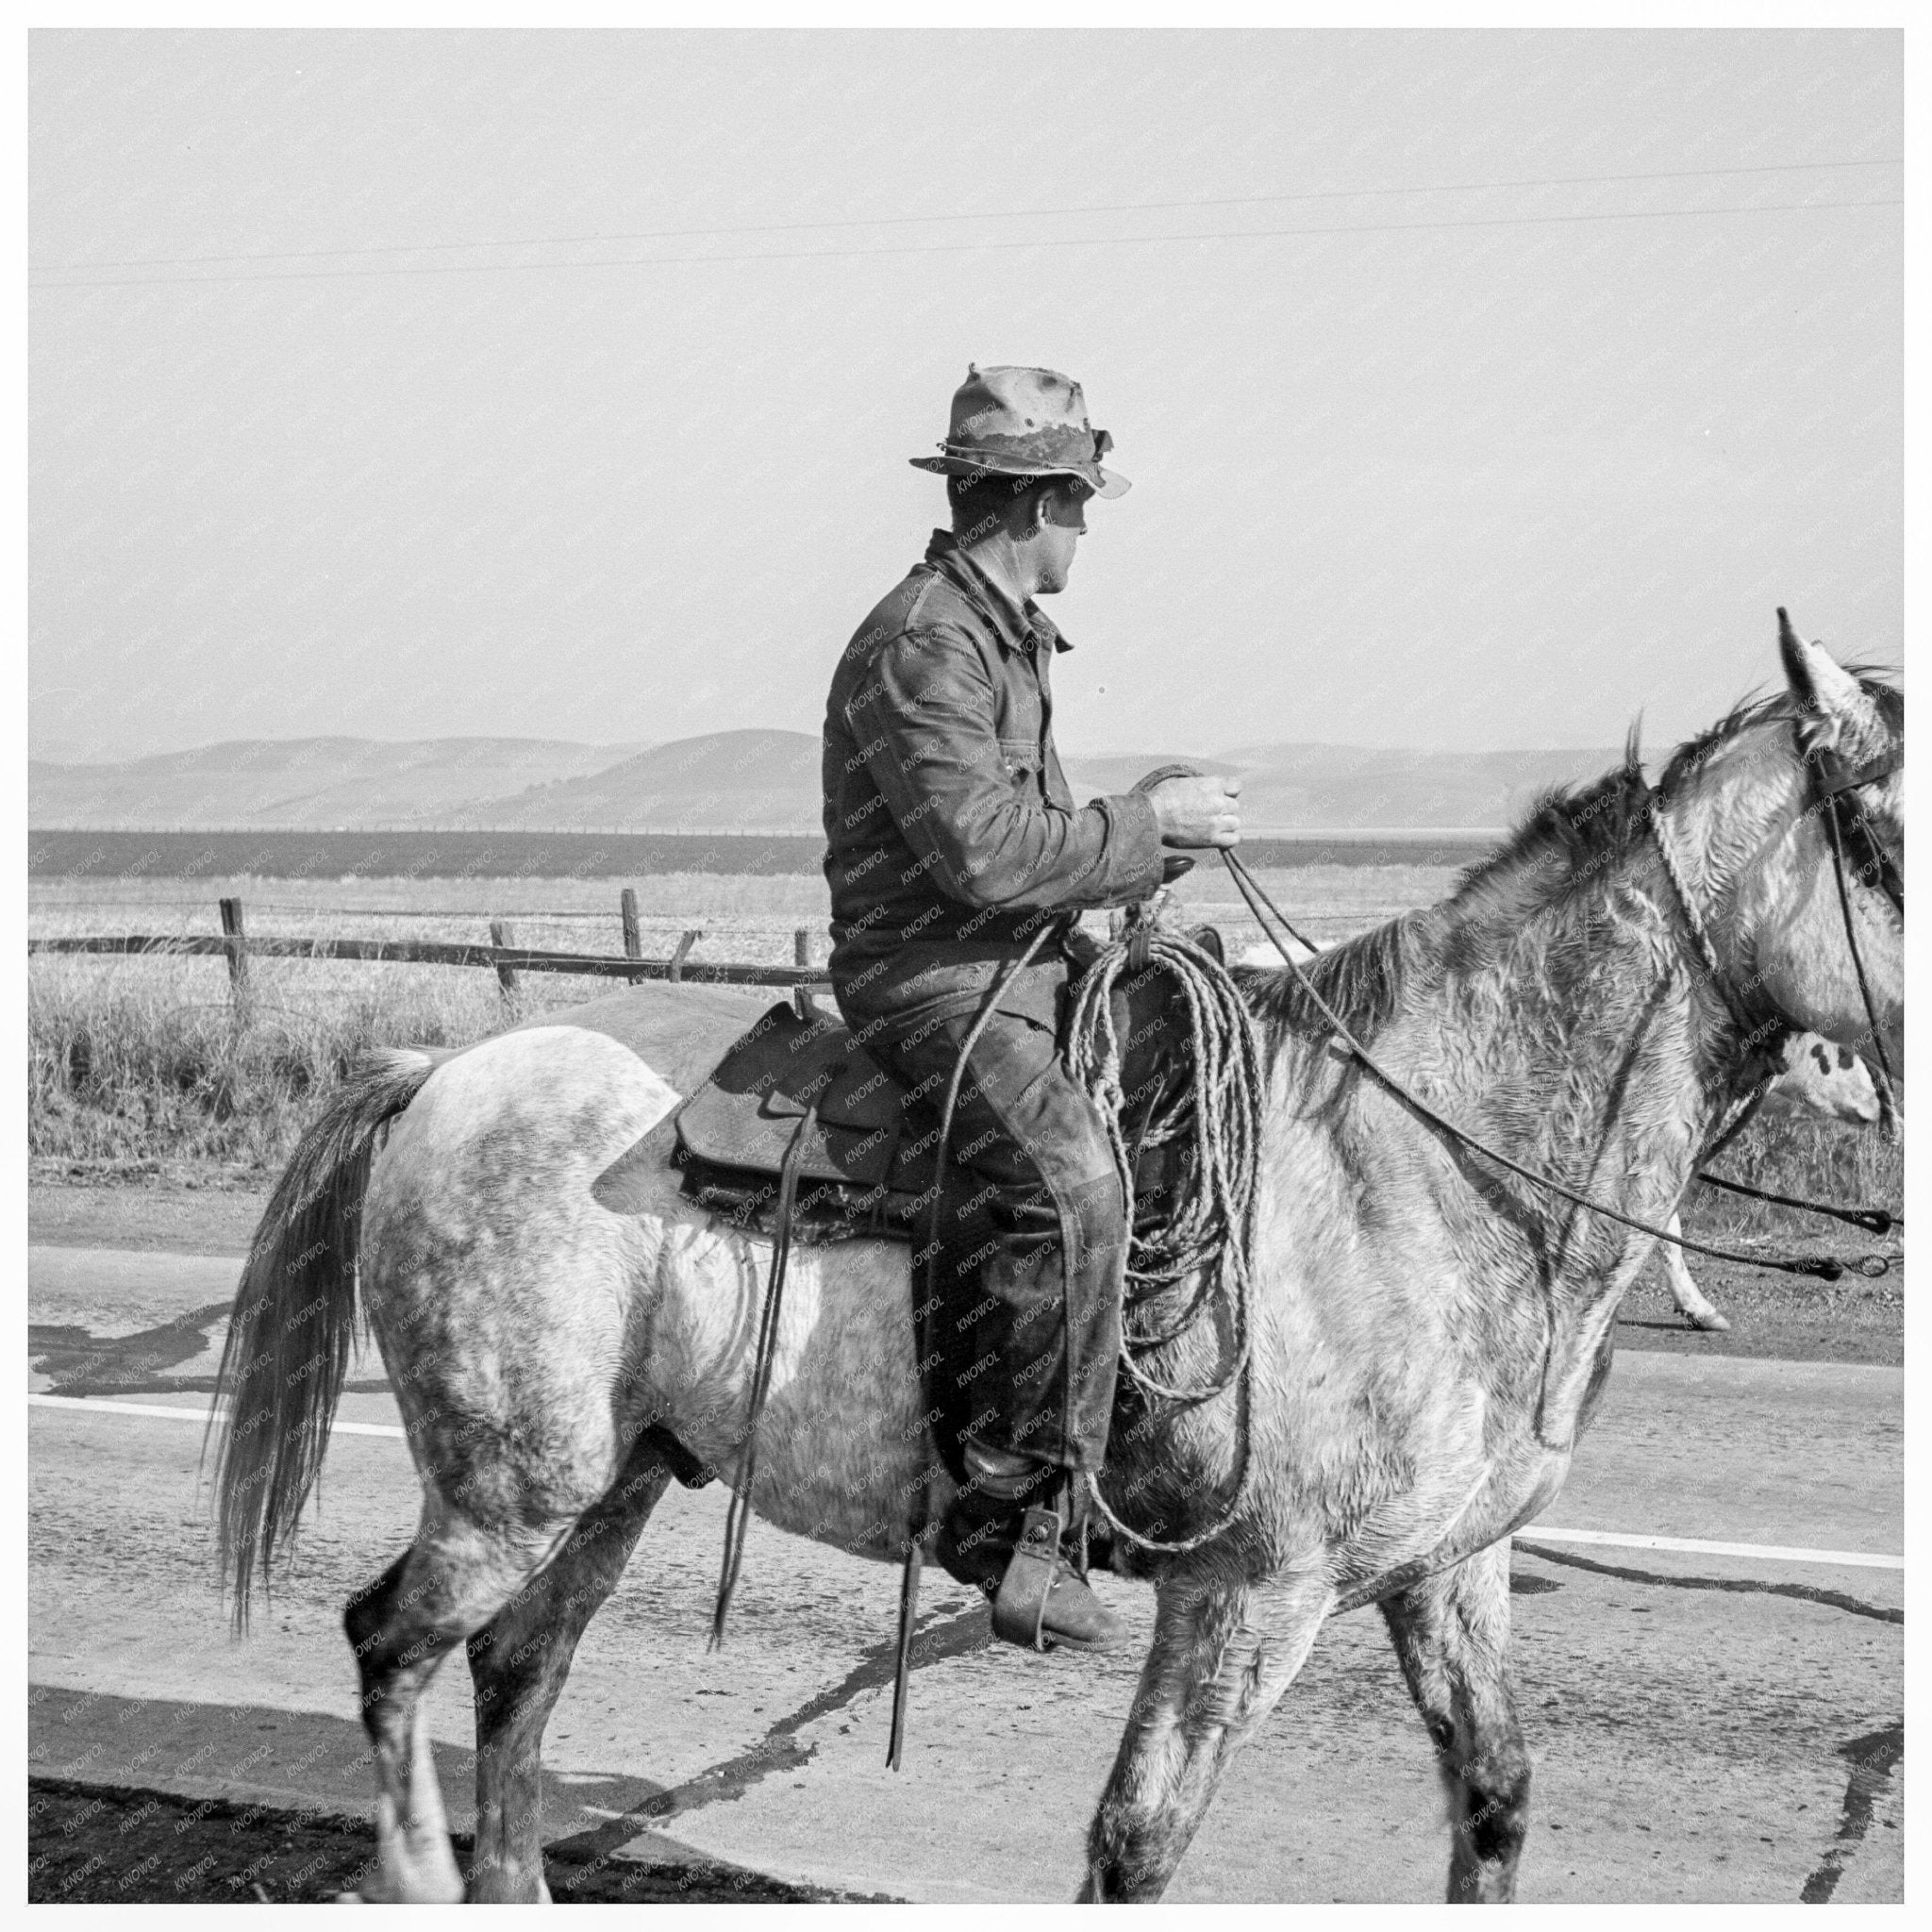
<point>238,958</point>
<point>800,947</point>
<point>675,972</point>
<point>502,933</point>
<point>633,938</point>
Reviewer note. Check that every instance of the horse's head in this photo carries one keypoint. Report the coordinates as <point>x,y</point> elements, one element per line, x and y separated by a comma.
<point>1760,795</point>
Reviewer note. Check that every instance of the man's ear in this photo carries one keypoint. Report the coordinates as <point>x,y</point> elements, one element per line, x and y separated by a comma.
<point>1064,492</point>
<point>1834,713</point>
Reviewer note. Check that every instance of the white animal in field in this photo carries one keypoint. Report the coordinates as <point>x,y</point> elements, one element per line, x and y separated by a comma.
<point>1820,1077</point>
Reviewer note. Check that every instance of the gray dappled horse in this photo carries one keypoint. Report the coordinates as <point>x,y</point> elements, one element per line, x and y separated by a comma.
<point>1429,1338</point>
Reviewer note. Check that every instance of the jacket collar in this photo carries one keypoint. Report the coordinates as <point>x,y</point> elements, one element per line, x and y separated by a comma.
<point>1012,624</point>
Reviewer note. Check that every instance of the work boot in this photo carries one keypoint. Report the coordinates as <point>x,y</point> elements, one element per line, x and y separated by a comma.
<point>1013,1553</point>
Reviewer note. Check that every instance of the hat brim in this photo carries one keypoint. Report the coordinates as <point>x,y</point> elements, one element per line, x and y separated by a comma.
<point>1104,482</point>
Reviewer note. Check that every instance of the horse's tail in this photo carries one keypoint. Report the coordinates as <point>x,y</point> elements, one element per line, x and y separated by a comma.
<point>288,1337</point>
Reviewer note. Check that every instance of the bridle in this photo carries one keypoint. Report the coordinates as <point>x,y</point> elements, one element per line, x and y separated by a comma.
<point>1835,786</point>
<point>1835,789</point>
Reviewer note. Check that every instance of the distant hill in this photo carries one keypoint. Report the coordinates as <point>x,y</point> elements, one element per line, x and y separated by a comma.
<point>723,781</point>
<point>306,782</point>
<point>751,780</point>
<point>1330,787</point>
<point>769,781</point>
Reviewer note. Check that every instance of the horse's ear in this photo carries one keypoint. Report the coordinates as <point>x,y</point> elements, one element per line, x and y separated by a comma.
<point>1833,710</point>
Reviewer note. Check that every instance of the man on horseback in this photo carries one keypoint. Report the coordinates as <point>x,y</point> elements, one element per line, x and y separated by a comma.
<point>953,840</point>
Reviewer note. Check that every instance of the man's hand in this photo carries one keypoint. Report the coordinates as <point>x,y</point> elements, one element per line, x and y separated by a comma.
<point>1198,811</point>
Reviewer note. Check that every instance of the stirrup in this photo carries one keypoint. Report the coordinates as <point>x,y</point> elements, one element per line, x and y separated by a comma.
<point>1019,1611</point>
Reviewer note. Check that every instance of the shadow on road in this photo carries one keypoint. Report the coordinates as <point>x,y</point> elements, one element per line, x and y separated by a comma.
<point>99,1829</point>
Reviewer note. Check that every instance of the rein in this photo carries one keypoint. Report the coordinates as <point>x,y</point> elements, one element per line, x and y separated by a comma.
<point>1822,1267</point>
<point>1873,1219</point>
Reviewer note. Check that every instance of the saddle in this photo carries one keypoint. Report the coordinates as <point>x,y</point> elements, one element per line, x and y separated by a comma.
<point>865,1152</point>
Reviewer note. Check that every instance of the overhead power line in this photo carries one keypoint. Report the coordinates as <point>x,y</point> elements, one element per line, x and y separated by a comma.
<point>962,247</point>
<point>1117,207</point>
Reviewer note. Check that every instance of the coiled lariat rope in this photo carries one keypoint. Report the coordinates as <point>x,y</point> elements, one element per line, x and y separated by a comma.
<point>1209,1237</point>
<point>1212,1223</point>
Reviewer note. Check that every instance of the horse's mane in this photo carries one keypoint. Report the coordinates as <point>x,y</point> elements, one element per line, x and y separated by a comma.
<point>1363,979</point>
<point>1569,840</point>
<point>1569,836</point>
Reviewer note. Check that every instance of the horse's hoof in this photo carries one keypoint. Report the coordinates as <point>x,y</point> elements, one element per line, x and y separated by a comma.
<point>1712,1323</point>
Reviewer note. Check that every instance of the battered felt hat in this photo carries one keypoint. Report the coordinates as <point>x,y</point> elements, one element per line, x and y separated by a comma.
<point>1013,422</point>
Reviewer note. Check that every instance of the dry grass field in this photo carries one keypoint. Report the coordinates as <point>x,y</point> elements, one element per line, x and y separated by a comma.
<point>137,1067</point>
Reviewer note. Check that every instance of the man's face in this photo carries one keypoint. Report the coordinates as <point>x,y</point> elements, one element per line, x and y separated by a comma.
<point>1062,523</point>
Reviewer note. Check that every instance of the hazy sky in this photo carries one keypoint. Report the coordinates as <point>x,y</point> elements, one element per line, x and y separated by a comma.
<point>1465,471</point>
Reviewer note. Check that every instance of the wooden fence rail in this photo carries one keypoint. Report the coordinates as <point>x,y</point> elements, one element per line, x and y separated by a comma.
<point>442,953</point>
<point>504,957</point>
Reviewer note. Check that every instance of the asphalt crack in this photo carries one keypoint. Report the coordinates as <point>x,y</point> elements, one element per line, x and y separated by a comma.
<point>1803,1593</point>
<point>1874,1758</point>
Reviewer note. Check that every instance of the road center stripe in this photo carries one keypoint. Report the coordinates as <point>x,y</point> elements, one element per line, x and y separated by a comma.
<point>1546,1532</point>
<point>193,1415</point>
<point>1758,1552</point>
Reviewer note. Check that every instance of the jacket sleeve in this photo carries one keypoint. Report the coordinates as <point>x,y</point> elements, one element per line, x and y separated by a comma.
<point>925,718</point>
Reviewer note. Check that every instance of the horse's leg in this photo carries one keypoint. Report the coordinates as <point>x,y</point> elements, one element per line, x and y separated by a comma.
<point>1224,1649</point>
<point>519,1663</point>
<point>453,1578</point>
<point>1452,1633</point>
<point>1688,1297</point>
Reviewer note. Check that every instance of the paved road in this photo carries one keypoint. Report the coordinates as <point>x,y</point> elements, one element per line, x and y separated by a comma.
<point>1705,1726</point>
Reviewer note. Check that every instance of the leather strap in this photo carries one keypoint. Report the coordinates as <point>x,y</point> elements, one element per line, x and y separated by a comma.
<point>1174,865</point>
<point>1019,1612</point>
<point>1162,773</point>
<point>1834,775</point>
<point>902,1674</point>
<point>1834,786</point>
<point>738,1512</point>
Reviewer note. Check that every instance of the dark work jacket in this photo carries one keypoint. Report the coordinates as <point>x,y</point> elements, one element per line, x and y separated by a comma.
<point>951,832</point>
